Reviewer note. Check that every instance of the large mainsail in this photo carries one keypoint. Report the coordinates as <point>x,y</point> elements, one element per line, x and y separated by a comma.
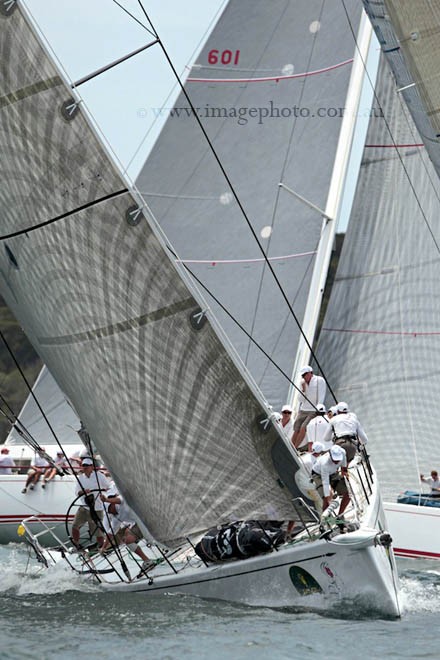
<point>269,87</point>
<point>380,343</point>
<point>109,313</point>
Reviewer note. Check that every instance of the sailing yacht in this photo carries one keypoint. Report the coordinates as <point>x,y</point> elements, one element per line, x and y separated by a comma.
<point>380,335</point>
<point>177,390</point>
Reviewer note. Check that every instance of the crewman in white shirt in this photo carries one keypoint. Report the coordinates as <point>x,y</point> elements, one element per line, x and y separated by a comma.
<point>313,392</point>
<point>120,525</point>
<point>316,430</point>
<point>309,458</point>
<point>286,420</point>
<point>434,482</point>
<point>325,475</point>
<point>346,431</point>
<point>91,509</point>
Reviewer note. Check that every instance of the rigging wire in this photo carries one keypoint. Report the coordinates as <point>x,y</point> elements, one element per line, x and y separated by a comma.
<point>283,327</point>
<point>68,214</point>
<point>242,328</point>
<point>171,92</point>
<point>37,403</point>
<point>237,199</point>
<point>287,158</point>
<point>20,370</point>
<point>37,447</point>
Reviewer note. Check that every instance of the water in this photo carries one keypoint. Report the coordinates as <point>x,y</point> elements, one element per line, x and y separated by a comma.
<point>46,614</point>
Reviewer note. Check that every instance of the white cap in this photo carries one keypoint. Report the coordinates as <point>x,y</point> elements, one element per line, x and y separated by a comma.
<point>286,408</point>
<point>337,453</point>
<point>317,448</point>
<point>333,410</point>
<point>86,461</point>
<point>320,408</point>
<point>342,406</point>
<point>306,370</point>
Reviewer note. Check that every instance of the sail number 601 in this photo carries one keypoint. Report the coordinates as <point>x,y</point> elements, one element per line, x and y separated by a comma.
<point>223,57</point>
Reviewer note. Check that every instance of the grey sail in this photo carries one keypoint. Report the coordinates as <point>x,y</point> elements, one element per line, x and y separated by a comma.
<point>380,341</point>
<point>109,313</point>
<point>408,32</point>
<point>269,87</point>
<point>59,412</point>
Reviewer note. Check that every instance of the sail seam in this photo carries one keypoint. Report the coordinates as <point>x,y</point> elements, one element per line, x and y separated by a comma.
<point>30,90</point>
<point>293,76</point>
<point>122,326</point>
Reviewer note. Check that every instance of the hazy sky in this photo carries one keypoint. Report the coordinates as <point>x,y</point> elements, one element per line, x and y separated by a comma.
<point>87,34</point>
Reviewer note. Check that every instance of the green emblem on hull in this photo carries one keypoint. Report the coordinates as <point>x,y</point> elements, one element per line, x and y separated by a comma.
<point>303,582</point>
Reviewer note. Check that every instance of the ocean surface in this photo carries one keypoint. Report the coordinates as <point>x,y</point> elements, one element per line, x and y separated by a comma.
<point>52,613</point>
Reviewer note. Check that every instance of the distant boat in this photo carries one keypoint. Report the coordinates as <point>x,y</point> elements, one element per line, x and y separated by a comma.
<point>115,314</point>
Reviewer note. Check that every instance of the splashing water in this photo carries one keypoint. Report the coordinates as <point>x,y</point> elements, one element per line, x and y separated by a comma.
<point>419,586</point>
<point>22,575</point>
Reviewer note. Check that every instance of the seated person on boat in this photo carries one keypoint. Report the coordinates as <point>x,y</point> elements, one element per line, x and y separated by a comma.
<point>434,482</point>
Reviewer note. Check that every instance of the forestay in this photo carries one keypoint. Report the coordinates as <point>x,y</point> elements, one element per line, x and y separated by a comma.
<point>380,343</point>
<point>269,87</point>
<point>109,314</point>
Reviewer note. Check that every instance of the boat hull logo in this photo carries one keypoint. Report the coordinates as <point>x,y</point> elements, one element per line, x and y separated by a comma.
<point>303,582</point>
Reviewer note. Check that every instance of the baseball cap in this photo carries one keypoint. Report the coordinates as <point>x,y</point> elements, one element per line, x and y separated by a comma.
<point>342,406</point>
<point>320,408</point>
<point>286,408</point>
<point>317,448</point>
<point>307,369</point>
<point>337,453</point>
<point>87,461</point>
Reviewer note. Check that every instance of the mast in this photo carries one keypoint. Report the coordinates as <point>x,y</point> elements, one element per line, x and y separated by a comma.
<point>334,200</point>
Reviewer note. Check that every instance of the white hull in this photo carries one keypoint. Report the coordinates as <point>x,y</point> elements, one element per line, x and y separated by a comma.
<point>415,530</point>
<point>310,572</point>
<point>49,504</point>
<point>318,575</point>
